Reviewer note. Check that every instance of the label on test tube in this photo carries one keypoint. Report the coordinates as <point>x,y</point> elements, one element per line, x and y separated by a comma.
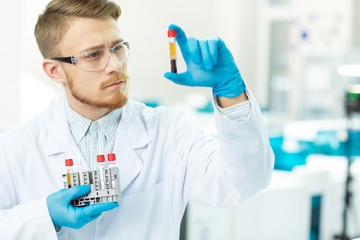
<point>69,166</point>
<point>101,166</point>
<point>112,164</point>
<point>172,35</point>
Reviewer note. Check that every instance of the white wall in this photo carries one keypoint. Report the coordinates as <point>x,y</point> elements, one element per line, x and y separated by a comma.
<point>11,61</point>
<point>144,23</point>
<point>356,25</point>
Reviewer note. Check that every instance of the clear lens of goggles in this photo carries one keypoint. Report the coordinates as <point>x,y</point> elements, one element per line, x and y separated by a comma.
<point>97,59</point>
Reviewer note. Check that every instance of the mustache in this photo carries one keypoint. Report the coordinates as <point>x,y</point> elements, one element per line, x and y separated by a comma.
<point>117,77</point>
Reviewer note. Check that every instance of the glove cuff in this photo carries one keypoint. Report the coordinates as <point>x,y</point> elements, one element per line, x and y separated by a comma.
<point>230,88</point>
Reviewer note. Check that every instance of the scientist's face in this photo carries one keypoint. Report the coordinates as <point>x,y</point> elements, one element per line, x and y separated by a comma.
<point>104,88</point>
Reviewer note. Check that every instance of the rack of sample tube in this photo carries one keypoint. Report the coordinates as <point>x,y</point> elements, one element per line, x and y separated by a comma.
<point>104,182</point>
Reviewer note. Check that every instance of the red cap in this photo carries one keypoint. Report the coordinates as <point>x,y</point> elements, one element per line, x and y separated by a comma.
<point>172,33</point>
<point>100,158</point>
<point>69,162</point>
<point>111,157</point>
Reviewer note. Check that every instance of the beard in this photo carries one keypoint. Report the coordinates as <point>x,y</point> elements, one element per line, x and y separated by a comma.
<point>116,99</point>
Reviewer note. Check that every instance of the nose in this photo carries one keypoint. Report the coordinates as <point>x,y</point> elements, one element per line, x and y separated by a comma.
<point>113,65</point>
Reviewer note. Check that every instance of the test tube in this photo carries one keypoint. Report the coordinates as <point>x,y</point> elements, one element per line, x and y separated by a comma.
<point>69,169</point>
<point>112,165</point>
<point>101,166</point>
<point>172,35</point>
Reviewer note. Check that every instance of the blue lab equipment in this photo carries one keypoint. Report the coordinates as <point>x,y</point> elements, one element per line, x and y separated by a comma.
<point>285,160</point>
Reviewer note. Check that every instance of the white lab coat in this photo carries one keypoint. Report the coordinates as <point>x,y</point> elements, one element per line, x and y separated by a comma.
<point>165,161</point>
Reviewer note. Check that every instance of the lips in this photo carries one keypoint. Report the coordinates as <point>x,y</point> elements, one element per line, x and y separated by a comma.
<point>115,83</point>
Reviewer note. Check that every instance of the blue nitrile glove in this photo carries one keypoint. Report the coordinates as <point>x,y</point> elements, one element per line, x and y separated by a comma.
<point>209,64</point>
<point>64,214</point>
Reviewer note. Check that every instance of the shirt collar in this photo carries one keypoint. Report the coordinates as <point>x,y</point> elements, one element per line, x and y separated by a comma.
<point>80,125</point>
<point>109,123</point>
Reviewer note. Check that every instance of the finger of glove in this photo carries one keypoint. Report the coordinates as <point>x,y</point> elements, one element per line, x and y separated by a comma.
<point>96,209</point>
<point>213,49</point>
<point>205,54</point>
<point>94,217</point>
<point>180,78</point>
<point>221,47</point>
<point>74,192</point>
<point>182,41</point>
<point>194,49</point>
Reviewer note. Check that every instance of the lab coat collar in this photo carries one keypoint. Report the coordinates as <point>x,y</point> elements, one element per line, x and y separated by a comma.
<point>132,125</point>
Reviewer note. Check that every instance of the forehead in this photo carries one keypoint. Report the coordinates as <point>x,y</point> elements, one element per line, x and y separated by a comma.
<point>85,33</point>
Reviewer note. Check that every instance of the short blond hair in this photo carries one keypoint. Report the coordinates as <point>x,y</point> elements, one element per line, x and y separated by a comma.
<point>53,23</point>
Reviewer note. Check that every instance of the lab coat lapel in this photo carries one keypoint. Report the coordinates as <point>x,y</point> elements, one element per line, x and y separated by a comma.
<point>58,129</point>
<point>60,143</point>
<point>131,137</point>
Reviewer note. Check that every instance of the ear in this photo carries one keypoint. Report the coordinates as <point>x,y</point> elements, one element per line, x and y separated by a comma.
<point>54,70</point>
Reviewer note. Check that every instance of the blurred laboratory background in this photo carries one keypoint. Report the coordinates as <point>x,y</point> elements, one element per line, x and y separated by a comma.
<point>300,58</point>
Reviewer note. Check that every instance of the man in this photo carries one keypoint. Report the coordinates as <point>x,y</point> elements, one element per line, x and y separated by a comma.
<point>164,160</point>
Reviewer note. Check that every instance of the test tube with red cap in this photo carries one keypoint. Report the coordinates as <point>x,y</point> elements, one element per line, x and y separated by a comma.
<point>69,169</point>
<point>112,164</point>
<point>101,166</point>
<point>172,36</point>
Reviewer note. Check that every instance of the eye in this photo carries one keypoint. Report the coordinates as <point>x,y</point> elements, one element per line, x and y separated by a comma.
<point>117,48</point>
<point>94,54</point>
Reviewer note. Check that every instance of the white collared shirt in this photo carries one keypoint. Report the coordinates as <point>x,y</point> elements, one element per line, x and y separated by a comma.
<point>93,137</point>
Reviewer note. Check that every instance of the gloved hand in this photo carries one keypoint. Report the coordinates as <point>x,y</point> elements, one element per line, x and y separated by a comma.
<point>209,64</point>
<point>64,214</point>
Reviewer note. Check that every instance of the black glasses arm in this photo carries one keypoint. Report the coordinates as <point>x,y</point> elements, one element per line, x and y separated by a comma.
<point>63,59</point>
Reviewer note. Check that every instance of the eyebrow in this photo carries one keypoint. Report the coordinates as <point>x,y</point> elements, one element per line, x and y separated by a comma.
<point>113,43</point>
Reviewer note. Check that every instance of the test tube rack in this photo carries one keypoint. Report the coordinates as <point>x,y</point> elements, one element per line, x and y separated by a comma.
<point>110,192</point>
